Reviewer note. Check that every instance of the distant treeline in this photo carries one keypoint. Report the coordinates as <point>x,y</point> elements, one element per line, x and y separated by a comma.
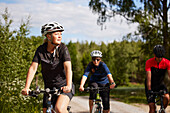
<point>125,60</point>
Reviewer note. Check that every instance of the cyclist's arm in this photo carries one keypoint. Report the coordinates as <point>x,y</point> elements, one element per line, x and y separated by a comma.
<point>148,78</point>
<point>168,68</point>
<point>109,76</point>
<point>169,73</point>
<point>148,66</point>
<point>68,70</point>
<point>84,77</point>
<point>30,75</point>
<point>83,80</point>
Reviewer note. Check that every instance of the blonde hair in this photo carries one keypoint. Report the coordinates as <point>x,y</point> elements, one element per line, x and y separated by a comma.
<point>45,38</point>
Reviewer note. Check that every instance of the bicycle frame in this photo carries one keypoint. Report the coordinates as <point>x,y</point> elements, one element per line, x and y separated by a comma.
<point>49,93</point>
<point>97,106</point>
<point>161,95</point>
<point>49,105</point>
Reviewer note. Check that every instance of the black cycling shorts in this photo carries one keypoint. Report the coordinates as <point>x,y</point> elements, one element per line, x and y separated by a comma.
<point>151,99</point>
<point>105,95</point>
<point>55,97</point>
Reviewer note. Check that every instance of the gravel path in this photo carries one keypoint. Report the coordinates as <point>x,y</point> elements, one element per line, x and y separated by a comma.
<point>79,104</point>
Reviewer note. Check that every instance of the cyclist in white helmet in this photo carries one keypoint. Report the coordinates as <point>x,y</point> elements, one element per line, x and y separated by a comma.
<point>55,62</point>
<point>100,77</point>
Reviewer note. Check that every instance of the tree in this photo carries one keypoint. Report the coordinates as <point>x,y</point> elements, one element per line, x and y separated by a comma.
<point>152,16</point>
<point>77,66</point>
<point>16,53</point>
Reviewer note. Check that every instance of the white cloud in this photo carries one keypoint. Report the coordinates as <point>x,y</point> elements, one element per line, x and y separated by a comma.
<point>75,16</point>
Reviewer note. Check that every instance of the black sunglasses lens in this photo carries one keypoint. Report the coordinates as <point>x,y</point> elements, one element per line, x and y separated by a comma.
<point>96,59</point>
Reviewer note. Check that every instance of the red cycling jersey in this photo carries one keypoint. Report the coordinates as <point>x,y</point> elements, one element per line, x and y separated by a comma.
<point>158,70</point>
<point>164,64</point>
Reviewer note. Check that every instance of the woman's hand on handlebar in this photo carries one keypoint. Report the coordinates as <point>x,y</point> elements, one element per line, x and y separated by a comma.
<point>81,88</point>
<point>25,91</point>
<point>112,86</point>
<point>66,89</point>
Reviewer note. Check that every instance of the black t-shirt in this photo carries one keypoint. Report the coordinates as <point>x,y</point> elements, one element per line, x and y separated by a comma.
<point>52,68</point>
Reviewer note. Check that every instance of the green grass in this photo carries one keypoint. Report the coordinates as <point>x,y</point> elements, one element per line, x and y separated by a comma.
<point>129,94</point>
<point>133,93</point>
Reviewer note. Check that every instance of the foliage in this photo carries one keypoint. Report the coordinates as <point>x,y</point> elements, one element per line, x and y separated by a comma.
<point>151,15</point>
<point>124,59</point>
<point>16,53</point>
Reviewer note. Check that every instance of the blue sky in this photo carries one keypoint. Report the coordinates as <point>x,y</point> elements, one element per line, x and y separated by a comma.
<point>79,22</point>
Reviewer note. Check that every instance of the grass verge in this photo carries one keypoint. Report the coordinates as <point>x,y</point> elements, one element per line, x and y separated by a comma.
<point>129,94</point>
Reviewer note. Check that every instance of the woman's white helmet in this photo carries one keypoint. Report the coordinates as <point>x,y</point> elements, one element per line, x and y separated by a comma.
<point>51,27</point>
<point>96,53</point>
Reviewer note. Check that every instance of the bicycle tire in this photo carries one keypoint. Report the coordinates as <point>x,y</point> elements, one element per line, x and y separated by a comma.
<point>100,110</point>
<point>162,111</point>
<point>96,108</point>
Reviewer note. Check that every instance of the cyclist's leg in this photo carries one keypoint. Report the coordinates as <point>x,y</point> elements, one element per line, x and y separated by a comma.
<point>151,100</point>
<point>92,95</point>
<point>44,110</point>
<point>105,95</point>
<point>166,96</point>
<point>44,104</point>
<point>62,102</point>
<point>166,100</point>
<point>90,105</point>
<point>152,107</point>
<point>106,111</point>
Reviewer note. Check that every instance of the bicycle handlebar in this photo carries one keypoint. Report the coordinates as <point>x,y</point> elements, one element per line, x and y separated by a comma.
<point>161,92</point>
<point>98,88</point>
<point>35,93</point>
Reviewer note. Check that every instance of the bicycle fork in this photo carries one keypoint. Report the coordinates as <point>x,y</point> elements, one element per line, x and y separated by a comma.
<point>97,108</point>
<point>162,109</point>
<point>49,105</point>
<point>162,106</point>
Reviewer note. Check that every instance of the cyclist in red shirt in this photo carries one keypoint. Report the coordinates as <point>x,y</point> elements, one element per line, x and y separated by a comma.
<point>156,68</point>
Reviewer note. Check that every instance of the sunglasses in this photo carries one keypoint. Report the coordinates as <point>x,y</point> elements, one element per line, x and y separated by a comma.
<point>95,59</point>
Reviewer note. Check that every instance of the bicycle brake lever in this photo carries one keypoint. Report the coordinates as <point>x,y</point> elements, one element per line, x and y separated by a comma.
<point>33,94</point>
<point>87,89</point>
<point>36,96</point>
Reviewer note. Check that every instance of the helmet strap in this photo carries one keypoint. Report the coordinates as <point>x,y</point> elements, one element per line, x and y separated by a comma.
<point>56,51</point>
<point>56,46</point>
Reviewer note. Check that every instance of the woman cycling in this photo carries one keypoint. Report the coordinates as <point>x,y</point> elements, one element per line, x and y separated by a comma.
<point>100,77</point>
<point>55,62</point>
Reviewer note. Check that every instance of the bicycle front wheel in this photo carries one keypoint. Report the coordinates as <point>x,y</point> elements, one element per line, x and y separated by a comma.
<point>162,111</point>
<point>96,108</point>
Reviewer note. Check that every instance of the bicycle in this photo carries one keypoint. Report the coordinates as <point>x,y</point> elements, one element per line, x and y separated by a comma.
<point>97,103</point>
<point>49,93</point>
<point>161,95</point>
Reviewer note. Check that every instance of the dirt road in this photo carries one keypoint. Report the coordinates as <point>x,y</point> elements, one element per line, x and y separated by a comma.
<point>79,104</point>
